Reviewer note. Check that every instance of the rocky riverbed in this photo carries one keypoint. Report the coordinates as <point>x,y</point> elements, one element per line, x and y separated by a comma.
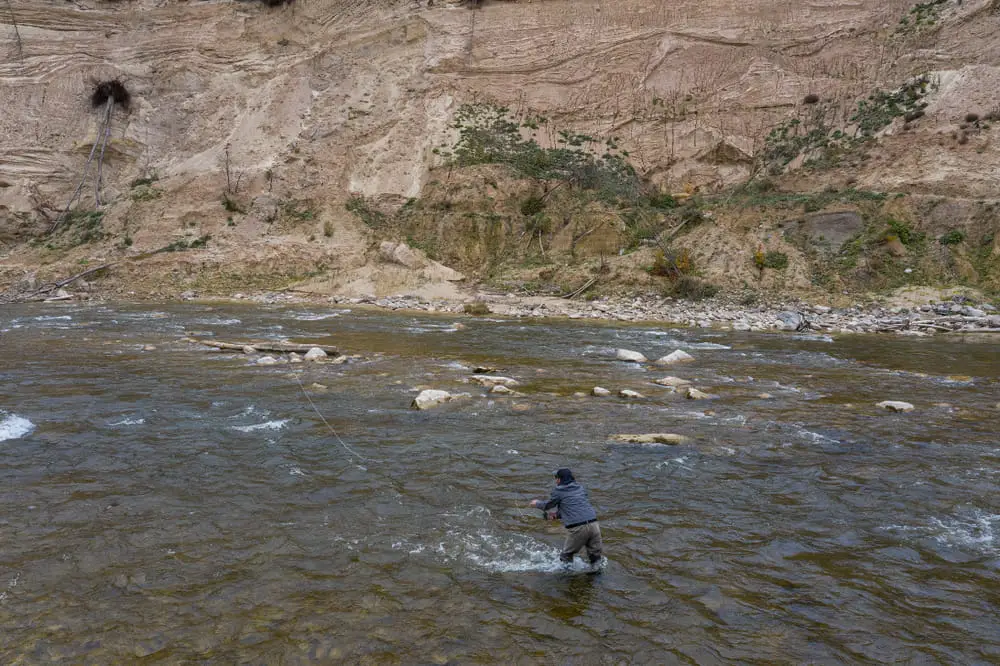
<point>958,314</point>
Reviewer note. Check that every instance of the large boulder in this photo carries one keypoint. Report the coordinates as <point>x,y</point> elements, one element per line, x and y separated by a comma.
<point>828,231</point>
<point>791,321</point>
<point>652,438</point>
<point>674,357</point>
<point>630,356</point>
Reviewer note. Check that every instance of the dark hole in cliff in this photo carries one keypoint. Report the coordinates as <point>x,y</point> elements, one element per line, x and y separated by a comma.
<point>114,90</point>
<point>277,3</point>
<point>811,98</point>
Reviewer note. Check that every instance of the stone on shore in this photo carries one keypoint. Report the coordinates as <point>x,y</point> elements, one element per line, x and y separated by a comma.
<point>652,438</point>
<point>430,398</point>
<point>629,393</point>
<point>895,406</point>
<point>267,360</point>
<point>671,381</point>
<point>695,394</point>
<point>741,326</point>
<point>294,358</point>
<point>494,380</point>
<point>601,392</point>
<point>630,356</point>
<point>790,321</point>
<point>315,354</point>
<point>677,356</point>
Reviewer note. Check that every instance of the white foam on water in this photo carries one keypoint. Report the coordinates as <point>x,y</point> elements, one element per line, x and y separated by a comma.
<point>13,426</point>
<point>812,338</point>
<point>816,437</point>
<point>268,425</point>
<point>705,345</point>
<point>53,318</point>
<point>510,553</point>
<point>128,422</point>
<point>974,530</point>
<point>216,321</point>
<point>315,316</point>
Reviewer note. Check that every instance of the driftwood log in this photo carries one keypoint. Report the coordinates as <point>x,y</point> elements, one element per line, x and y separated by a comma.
<point>273,347</point>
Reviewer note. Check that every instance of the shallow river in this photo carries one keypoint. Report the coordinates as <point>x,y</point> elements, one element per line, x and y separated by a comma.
<point>182,505</point>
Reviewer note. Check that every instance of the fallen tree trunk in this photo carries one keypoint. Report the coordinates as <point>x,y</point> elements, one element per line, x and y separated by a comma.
<point>274,347</point>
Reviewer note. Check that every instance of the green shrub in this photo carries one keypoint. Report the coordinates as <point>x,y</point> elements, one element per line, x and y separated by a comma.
<point>953,237</point>
<point>692,289</point>
<point>661,201</point>
<point>776,260</point>
<point>902,230</point>
<point>232,205</point>
<point>532,206</point>
<point>672,263</point>
<point>490,134</point>
<point>371,216</point>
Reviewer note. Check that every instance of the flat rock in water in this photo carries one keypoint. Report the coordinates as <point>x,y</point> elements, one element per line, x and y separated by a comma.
<point>601,392</point>
<point>494,380</point>
<point>678,356</point>
<point>652,438</point>
<point>895,406</point>
<point>695,394</point>
<point>267,360</point>
<point>629,393</point>
<point>671,381</point>
<point>431,398</point>
<point>630,356</point>
<point>501,389</point>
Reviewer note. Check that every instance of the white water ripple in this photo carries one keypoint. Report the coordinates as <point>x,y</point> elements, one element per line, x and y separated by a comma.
<point>13,426</point>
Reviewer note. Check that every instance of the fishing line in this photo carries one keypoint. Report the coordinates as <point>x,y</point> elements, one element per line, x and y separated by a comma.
<point>327,423</point>
<point>361,457</point>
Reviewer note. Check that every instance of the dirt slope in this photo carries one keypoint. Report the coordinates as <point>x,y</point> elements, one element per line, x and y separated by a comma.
<point>287,112</point>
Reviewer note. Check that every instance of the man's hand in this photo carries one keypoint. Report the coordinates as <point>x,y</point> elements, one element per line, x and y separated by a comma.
<point>534,503</point>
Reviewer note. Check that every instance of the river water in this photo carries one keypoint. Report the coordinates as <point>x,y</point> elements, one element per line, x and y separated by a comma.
<point>180,505</point>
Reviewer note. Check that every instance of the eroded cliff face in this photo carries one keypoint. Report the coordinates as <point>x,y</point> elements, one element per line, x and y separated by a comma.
<point>254,125</point>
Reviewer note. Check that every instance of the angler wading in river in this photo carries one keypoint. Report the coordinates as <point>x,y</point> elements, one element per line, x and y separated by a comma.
<point>569,499</point>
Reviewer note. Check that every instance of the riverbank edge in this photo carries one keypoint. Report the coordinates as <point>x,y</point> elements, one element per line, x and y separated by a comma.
<point>954,316</point>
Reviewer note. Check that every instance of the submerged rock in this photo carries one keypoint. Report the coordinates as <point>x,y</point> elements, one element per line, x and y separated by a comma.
<point>501,389</point>
<point>895,406</point>
<point>494,380</point>
<point>630,356</point>
<point>671,381</point>
<point>695,394</point>
<point>601,392</point>
<point>652,438</point>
